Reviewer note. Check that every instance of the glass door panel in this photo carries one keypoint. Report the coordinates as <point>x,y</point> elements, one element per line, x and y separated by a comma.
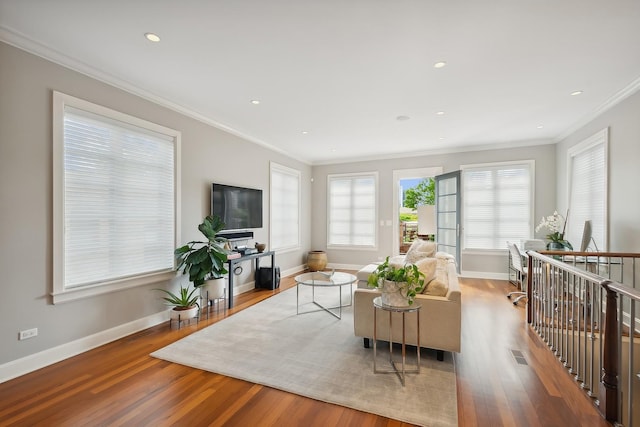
<point>448,214</point>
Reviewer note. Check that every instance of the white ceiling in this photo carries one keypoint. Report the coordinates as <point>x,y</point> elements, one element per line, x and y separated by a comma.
<point>344,70</point>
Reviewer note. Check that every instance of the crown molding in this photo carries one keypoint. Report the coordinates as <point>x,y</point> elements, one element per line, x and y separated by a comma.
<point>441,151</point>
<point>617,98</point>
<point>34,47</point>
<point>20,41</point>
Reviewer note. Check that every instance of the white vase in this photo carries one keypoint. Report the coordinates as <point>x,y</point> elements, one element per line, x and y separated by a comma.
<point>392,294</point>
<point>187,314</point>
<point>213,289</point>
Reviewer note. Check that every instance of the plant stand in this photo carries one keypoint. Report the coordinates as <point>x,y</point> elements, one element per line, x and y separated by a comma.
<point>401,373</point>
<point>180,319</point>
<point>215,301</point>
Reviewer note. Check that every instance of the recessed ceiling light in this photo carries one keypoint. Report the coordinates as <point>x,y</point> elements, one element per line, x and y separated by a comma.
<point>441,138</point>
<point>440,113</point>
<point>333,150</point>
<point>152,37</point>
<point>255,101</point>
<point>439,64</point>
<point>305,132</point>
<point>577,92</point>
<point>539,126</point>
<point>402,118</point>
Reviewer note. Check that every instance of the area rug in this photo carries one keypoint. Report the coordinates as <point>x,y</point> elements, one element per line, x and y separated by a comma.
<point>317,355</point>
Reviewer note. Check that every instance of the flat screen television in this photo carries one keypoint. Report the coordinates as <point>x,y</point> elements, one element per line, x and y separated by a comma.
<point>239,207</point>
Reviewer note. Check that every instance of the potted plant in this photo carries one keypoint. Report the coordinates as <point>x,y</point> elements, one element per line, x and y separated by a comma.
<point>204,261</point>
<point>398,285</point>
<point>556,224</point>
<point>185,304</point>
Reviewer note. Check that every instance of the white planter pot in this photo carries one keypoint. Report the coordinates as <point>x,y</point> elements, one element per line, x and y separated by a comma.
<point>391,294</point>
<point>213,289</point>
<point>187,314</point>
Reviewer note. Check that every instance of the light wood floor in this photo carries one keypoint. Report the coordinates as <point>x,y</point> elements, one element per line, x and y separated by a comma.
<point>120,384</point>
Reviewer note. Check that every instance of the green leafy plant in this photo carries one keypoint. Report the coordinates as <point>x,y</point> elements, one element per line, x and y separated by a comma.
<point>408,277</point>
<point>408,217</point>
<point>183,300</point>
<point>422,194</point>
<point>204,260</point>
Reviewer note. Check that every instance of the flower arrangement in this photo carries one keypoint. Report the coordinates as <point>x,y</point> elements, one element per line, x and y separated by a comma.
<point>556,223</point>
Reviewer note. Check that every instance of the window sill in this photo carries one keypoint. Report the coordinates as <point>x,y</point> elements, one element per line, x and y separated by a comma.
<point>82,292</point>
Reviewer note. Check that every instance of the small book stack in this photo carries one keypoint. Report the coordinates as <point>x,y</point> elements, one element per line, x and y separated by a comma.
<point>233,255</point>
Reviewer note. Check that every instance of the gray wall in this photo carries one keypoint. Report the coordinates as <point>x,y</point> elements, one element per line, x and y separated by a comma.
<point>490,264</point>
<point>623,121</point>
<point>208,154</point>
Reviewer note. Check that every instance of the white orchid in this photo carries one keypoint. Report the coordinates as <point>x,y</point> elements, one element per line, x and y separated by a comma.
<point>556,224</point>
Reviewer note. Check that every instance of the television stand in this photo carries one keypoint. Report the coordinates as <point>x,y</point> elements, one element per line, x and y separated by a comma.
<point>256,257</point>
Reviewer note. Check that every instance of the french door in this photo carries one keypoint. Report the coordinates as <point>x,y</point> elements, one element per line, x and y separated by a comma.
<point>448,214</point>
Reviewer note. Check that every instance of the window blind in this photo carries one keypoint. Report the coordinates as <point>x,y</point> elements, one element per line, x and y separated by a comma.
<point>352,210</point>
<point>285,207</point>
<point>119,204</point>
<point>588,191</point>
<point>497,201</point>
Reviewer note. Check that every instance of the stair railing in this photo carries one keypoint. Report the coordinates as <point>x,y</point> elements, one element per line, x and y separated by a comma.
<point>589,322</point>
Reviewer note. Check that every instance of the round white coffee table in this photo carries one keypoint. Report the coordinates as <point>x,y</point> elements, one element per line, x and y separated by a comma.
<point>325,279</point>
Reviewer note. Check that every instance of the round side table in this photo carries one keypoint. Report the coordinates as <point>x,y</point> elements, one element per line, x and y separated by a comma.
<point>415,307</point>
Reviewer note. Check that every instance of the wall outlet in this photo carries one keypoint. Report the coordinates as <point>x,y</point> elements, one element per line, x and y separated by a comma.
<point>29,333</point>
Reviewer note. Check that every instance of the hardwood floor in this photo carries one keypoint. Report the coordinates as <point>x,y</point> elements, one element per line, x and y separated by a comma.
<point>119,384</point>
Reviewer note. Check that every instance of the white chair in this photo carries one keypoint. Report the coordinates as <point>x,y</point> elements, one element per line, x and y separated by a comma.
<point>521,272</point>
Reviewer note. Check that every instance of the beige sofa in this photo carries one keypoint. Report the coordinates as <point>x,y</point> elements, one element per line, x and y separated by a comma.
<point>440,316</point>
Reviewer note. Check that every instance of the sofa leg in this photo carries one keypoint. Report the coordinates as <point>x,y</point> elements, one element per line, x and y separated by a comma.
<point>366,342</point>
<point>440,355</point>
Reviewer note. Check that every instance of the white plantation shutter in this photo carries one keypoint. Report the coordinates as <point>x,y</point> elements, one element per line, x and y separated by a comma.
<point>497,204</point>
<point>352,210</point>
<point>285,208</point>
<point>118,209</point>
<point>588,190</point>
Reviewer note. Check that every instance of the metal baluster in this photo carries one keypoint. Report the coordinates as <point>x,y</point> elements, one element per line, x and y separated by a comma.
<point>579,366</point>
<point>572,334</point>
<point>619,344</point>
<point>632,328</point>
<point>591,309</point>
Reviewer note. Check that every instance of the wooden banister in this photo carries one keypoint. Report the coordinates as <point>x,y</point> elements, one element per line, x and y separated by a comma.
<point>609,396</point>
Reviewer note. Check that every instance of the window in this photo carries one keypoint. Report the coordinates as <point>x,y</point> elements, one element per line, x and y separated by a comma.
<point>115,198</point>
<point>497,204</point>
<point>285,208</point>
<point>352,210</point>
<point>587,168</point>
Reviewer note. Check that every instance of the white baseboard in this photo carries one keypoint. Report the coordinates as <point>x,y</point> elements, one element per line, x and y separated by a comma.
<point>294,270</point>
<point>32,362</point>
<point>484,275</point>
<point>355,267</point>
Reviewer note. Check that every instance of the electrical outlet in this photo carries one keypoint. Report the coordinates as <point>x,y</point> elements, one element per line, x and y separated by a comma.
<point>29,333</point>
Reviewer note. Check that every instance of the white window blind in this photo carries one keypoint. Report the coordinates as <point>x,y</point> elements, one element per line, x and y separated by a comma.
<point>352,210</point>
<point>497,204</point>
<point>285,208</point>
<point>117,189</point>
<point>588,190</point>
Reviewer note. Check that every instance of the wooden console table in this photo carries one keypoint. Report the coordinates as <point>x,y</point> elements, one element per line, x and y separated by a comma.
<point>256,257</point>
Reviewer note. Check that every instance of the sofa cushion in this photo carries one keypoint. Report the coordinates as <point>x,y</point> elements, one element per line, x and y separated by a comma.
<point>427,266</point>
<point>364,273</point>
<point>438,286</point>
<point>420,249</point>
<point>445,256</point>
